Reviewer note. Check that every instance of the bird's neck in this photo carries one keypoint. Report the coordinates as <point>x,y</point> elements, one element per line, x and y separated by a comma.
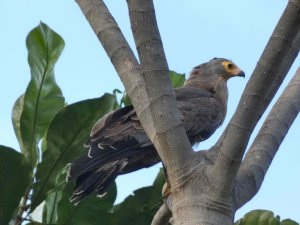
<point>222,93</point>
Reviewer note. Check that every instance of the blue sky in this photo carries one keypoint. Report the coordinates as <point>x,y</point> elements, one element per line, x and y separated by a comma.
<point>192,31</point>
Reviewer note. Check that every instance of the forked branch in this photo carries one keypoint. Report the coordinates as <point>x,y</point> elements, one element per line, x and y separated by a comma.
<point>169,137</point>
<point>268,75</point>
<point>149,89</point>
<point>267,142</point>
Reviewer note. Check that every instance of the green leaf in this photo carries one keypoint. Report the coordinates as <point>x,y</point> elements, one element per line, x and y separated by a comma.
<point>177,79</point>
<point>139,208</point>
<point>43,98</point>
<point>65,138</point>
<point>256,217</point>
<point>125,100</point>
<point>16,116</point>
<point>15,178</point>
<point>52,200</point>
<point>263,217</point>
<point>90,211</point>
<point>50,207</point>
<point>288,222</point>
<point>117,105</point>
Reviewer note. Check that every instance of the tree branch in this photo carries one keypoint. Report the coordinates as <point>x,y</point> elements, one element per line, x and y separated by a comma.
<point>172,144</point>
<point>22,207</point>
<point>162,216</point>
<point>269,73</point>
<point>150,92</point>
<point>113,41</point>
<point>146,35</point>
<point>267,142</point>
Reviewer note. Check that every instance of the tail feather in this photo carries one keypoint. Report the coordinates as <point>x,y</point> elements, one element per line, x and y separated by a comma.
<point>86,187</point>
<point>98,180</point>
<point>85,164</point>
<point>97,173</point>
<point>117,145</point>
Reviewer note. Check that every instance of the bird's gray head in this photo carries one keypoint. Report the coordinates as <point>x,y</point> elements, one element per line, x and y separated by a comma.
<point>216,68</point>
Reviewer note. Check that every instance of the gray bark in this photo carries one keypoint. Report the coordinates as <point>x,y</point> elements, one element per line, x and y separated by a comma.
<point>148,87</point>
<point>206,186</point>
<point>162,216</point>
<point>159,89</point>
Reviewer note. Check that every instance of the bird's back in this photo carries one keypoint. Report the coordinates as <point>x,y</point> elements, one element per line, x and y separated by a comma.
<point>119,145</point>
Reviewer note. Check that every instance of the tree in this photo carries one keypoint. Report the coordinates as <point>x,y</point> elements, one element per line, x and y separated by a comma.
<point>209,193</point>
<point>242,124</point>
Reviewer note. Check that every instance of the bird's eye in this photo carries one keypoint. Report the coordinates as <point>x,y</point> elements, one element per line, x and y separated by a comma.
<point>230,66</point>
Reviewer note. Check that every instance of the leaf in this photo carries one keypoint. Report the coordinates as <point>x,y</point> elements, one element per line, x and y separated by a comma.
<point>90,211</point>
<point>15,178</point>
<point>65,138</point>
<point>52,200</point>
<point>288,222</point>
<point>43,98</point>
<point>125,100</point>
<point>117,105</point>
<point>263,217</point>
<point>139,208</point>
<point>16,116</point>
<point>50,207</point>
<point>256,217</point>
<point>177,79</point>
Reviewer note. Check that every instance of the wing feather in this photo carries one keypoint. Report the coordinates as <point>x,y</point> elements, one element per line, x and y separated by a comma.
<point>119,145</point>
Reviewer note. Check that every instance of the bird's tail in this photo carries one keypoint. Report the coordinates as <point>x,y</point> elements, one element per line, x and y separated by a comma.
<point>98,172</point>
<point>97,180</point>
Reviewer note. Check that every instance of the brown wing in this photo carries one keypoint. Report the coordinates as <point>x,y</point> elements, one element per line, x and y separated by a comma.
<point>118,130</point>
<point>119,145</point>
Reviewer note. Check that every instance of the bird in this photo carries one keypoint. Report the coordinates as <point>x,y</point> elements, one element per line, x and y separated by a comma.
<point>118,143</point>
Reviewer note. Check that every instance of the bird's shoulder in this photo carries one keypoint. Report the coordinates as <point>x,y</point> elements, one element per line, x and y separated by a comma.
<point>184,93</point>
<point>116,130</point>
<point>113,119</point>
<point>191,97</point>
